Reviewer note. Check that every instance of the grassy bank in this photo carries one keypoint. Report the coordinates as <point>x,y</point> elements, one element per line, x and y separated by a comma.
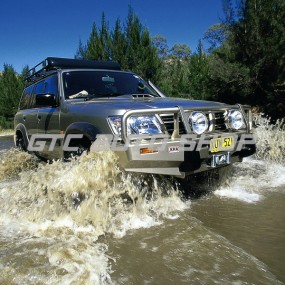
<point>6,132</point>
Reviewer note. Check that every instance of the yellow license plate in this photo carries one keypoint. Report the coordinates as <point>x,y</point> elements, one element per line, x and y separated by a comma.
<point>222,144</point>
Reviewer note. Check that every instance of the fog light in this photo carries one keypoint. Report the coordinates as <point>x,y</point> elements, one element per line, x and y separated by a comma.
<point>235,119</point>
<point>199,122</point>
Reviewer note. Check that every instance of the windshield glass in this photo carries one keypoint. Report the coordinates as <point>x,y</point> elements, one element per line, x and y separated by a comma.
<point>103,83</point>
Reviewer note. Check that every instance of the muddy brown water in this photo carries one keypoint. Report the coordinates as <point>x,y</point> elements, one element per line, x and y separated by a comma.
<point>86,222</point>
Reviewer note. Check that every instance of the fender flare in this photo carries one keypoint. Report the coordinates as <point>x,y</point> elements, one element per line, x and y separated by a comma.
<point>88,130</point>
<point>22,129</point>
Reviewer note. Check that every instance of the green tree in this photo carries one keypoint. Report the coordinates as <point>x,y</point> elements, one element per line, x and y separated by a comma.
<point>119,45</point>
<point>11,87</point>
<point>174,79</point>
<point>131,47</point>
<point>81,51</point>
<point>258,42</point>
<point>180,51</point>
<point>160,42</point>
<point>104,40</point>
<point>149,62</point>
<point>198,79</point>
<point>247,63</point>
<point>133,34</point>
<point>98,45</point>
<point>216,35</point>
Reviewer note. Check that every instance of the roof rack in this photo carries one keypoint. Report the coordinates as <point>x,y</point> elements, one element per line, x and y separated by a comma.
<point>53,63</point>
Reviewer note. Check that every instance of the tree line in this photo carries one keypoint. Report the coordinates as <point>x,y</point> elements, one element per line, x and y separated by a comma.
<point>11,88</point>
<point>244,61</point>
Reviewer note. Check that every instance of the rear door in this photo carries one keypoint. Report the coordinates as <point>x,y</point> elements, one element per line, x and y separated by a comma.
<point>30,115</point>
<point>48,120</point>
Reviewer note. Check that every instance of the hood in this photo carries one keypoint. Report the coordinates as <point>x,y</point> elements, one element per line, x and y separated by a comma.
<point>125,104</point>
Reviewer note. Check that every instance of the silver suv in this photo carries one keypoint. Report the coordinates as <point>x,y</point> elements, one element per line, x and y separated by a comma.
<point>71,105</point>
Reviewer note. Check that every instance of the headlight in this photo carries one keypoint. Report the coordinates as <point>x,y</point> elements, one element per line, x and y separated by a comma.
<point>147,124</point>
<point>199,122</point>
<point>235,119</point>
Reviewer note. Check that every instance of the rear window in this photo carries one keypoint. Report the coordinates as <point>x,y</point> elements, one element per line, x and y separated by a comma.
<point>48,85</point>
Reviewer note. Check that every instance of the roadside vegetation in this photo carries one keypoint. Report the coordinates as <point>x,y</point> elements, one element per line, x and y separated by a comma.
<point>239,60</point>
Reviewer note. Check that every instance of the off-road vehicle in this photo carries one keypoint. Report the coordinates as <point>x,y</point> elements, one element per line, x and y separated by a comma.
<point>69,105</point>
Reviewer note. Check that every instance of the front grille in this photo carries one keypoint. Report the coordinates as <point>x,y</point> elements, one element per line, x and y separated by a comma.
<point>217,121</point>
<point>168,120</point>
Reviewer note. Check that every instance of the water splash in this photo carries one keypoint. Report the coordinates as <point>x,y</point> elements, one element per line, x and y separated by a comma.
<point>270,139</point>
<point>14,161</point>
<point>58,213</point>
<point>92,191</point>
<point>69,206</point>
<point>251,180</point>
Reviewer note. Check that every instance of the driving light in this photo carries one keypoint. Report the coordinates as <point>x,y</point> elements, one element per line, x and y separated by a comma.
<point>199,122</point>
<point>235,119</point>
<point>147,124</point>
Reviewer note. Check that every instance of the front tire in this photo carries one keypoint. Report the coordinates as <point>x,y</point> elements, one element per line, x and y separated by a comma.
<point>83,145</point>
<point>20,142</point>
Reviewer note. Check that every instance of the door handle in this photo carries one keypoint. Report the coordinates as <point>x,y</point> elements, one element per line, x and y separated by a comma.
<point>24,118</point>
<point>39,117</point>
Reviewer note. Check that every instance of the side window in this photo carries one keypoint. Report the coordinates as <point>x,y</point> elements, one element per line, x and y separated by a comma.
<point>26,98</point>
<point>46,86</point>
<point>39,89</point>
<point>51,86</point>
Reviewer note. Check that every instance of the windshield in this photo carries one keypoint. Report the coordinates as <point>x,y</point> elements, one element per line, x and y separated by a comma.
<point>103,83</point>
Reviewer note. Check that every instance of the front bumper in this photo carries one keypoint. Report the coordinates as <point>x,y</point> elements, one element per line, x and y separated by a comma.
<point>177,159</point>
<point>176,155</point>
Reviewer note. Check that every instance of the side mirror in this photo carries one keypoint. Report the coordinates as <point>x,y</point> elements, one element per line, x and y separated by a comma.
<point>46,100</point>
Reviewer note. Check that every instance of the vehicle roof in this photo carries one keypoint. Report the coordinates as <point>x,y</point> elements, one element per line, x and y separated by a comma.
<point>50,64</point>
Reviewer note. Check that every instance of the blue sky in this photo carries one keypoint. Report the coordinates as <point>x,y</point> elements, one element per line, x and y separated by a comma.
<point>32,30</point>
